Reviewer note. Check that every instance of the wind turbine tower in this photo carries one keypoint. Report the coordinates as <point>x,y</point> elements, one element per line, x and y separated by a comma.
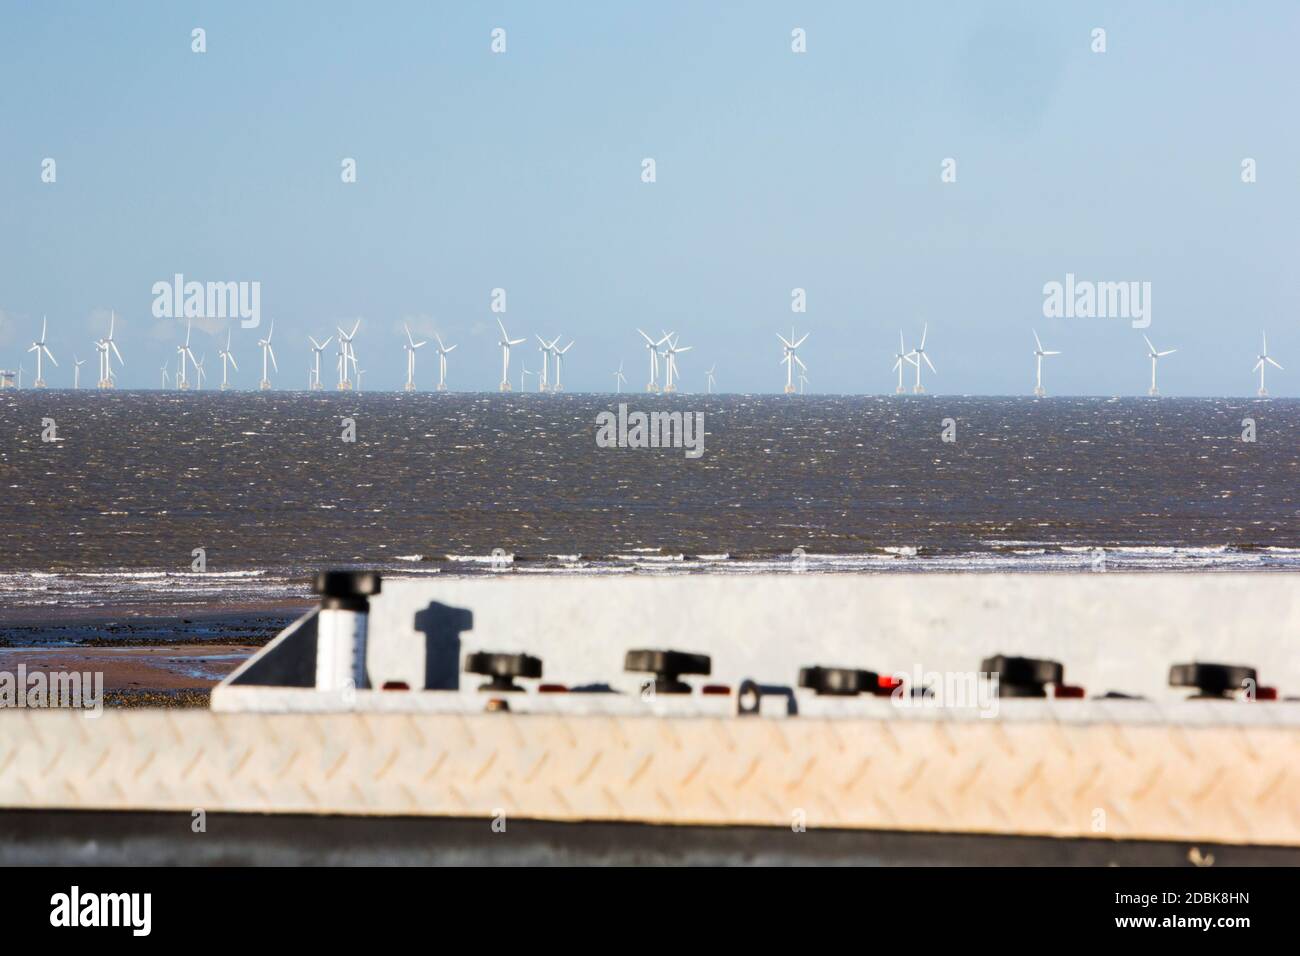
<point>619,379</point>
<point>918,356</point>
<point>1264,359</point>
<point>653,347</point>
<point>183,357</point>
<point>347,355</point>
<point>410,347</point>
<point>545,347</point>
<point>789,358</point>
<point>902,358</point>
<point>559,363</point>
<point>226,356</point>
<point>1155,356</point>
<point>670,360</point>
<point>267,352</point>
<point>40,348</point>
<point>105,360</point>
<point>313,378</point>
<point>505,343</point>
<point>1039,353</point>
<point>443,351</point>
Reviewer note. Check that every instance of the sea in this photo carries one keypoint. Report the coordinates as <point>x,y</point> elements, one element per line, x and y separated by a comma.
<point>209,499</point>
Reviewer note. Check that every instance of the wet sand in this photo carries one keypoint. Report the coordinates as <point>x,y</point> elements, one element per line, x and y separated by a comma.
<point>139,676</point>
<point>149,657</point>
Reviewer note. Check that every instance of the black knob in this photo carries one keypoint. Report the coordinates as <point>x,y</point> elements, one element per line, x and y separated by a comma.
<point>1023,676</point>
<point>346,590</point>
<point>838,681</point>
<point>1214,681</point>
<point>667,666</point>
<point>503,669</point>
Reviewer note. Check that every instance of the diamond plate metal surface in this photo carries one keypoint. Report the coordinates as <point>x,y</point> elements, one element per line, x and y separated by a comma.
<point>1221,783</point>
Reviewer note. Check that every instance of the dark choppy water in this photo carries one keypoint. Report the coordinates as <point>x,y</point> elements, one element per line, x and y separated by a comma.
<point>266,486</point>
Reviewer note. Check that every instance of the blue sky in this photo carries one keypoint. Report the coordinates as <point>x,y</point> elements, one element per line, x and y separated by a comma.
<point>775,170</point>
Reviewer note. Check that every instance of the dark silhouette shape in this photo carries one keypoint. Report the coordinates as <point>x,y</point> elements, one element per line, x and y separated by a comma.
<point>441,626</point>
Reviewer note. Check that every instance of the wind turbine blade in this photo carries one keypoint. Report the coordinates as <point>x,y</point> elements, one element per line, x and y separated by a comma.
<point>1255,367</point>
<point>515,341</point>
<point>1148,342</point>
<point>271,352</point>
<point>42,328</point>
<point>1037,341</point>
<point>924,332</point>
<point>232,361</point>
<point>116,352</point>
<point>901,347</point>
<point>1166,352</point>
<point>48,354</point>
<point>408,333</point>
<point>356,325</point>
<point>929,363</point>
<point>802,340</point>
<point>649,340</point>
<point>783,341</point>
<point>800,361</point>
<point>1051,353</point>
<point>449,349</point>
<point>1272,363</point>
<point>685,348</point>
<point>504,334</point>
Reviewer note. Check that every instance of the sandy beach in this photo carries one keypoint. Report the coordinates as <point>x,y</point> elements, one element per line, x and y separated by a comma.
<point>147,659</point>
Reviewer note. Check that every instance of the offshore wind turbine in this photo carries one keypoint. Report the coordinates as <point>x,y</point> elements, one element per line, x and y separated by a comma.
<point>559,363</point>
<point>21,370</point>
<point>709,373</point>
<point>40,348</point>
<point>105,360</point>
<point>443,352</point>
<point>789,358</point>
<point>1264,358</point>
<point>653,347</point>
<point>901,358</point>
<point>347,354</point>
<point>505,343</point>
<point>1039,353</point>
<point>184,355</point>
<point>918,355</point>
<point>803,380</point>
<point>267,351</point>
<point>1155,356</point>
<point>76,370</point>
<point>523,372</point>
<point>164,375</point>
<point>313,379</point>
<point>409,348</point>
<point>198,367</point>
<point>619,379</point>
<point>670,360</point>
<point>545,347</point>
<point>226,355</point>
